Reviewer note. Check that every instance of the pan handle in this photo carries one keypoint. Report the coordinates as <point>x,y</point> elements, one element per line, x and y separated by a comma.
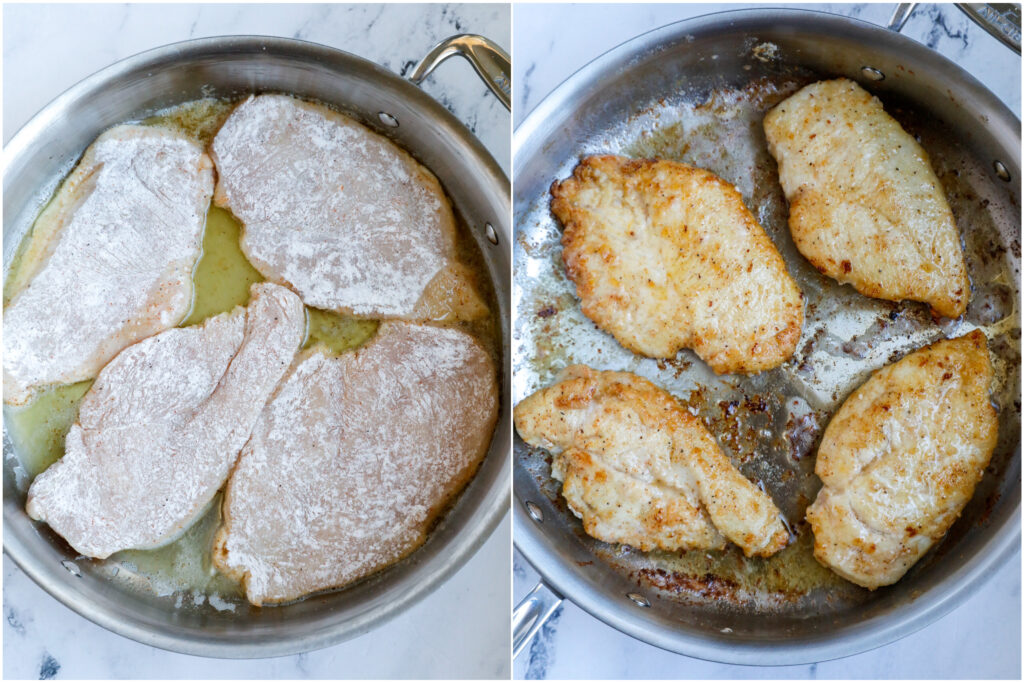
<point>491,63</point>
<point>531,614</point>
<point>1002,21</point>
<point>900,15</point>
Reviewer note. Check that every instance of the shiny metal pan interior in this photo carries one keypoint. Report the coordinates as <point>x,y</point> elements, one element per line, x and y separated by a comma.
<point>697,92</point>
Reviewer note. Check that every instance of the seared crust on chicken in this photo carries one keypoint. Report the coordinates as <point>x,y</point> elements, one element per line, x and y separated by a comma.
<point>900,460</point>
<point>666,256</point>
<point>865,206</point>
<point>639,469</point>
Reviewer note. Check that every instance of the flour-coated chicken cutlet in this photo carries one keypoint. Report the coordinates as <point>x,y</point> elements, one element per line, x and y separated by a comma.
<point>900,460</point>
<point>666,256</point>
<point>640,469</point>
<point>865,206</point>
<point>109,261</point>
<point>353,459</point>
<point>340,214</point>
<point>160,429</point>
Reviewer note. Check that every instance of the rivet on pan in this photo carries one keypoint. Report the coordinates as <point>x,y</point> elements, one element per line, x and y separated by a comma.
<point>872,73</point>
<point>535,511</point>
<point>638,599</point>
<point>492,236</point>
<point>1001,171</point>
<point>71,567</point>
<point>387,119</point>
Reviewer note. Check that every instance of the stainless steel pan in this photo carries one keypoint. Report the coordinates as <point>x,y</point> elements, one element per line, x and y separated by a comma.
<point>697,91</point>
<point>44,150</point>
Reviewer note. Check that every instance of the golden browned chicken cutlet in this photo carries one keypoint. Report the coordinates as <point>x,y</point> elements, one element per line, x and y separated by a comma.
<point>865,206</point>
<point>665,256</point>
<point>900,460</point>
<point>639,469</point>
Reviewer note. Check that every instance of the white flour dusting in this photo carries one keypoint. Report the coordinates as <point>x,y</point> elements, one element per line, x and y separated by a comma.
<point>353,458</point>
<point>110,259</point>
<point>330,208</point>
<point>160,429</point>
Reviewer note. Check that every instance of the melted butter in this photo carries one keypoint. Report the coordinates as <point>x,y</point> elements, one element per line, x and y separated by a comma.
<point>184,565</point>
<point>199,119</point>
<point>784,577</point>
<point>13,274</point>
<point>38,429</point>
<point>338,333</point>
<point>222,276</point>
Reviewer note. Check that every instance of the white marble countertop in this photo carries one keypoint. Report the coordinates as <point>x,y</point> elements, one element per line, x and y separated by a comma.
<point>552,42</point>
<point>462,629</point>
<point>980,639</point>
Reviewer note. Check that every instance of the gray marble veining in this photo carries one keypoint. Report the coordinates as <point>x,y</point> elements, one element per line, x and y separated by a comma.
<point>462,629</point>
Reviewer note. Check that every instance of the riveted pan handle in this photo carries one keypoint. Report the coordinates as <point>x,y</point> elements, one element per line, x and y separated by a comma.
<point>900,16</point>
<point>531,614</point>
<point>491,63</point>
<point>1001,20</point>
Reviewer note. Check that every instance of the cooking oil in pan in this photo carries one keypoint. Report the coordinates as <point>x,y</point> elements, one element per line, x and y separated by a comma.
<point>729,577</point>
<point>222,278</point>
<point>37,430</point>
<point>222,275</point>
<point>199,119</point>
<point>182,568</point>
<point>337,333</point>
